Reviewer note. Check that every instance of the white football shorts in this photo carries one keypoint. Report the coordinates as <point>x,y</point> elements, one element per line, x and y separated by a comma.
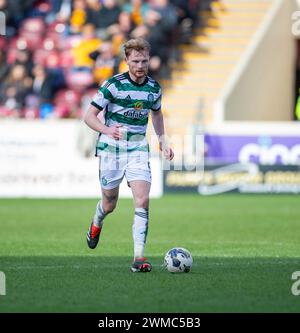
<point>113,168</point>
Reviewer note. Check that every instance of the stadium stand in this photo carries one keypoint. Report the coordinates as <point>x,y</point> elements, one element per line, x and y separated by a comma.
<point>57,51</point>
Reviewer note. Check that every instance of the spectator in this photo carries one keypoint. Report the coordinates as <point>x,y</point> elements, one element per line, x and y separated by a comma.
<point>56,8</point>
<point>98,28</point>
<point>78,16</point>
<point>88,44</point>
<point>106,63</point>
<point>23,57</point>
<point>42,85</point>
<point>137,9</point>
<point>4,68</point>
<point>64,11</point>
<point>121,31</point>
<point>15,89</point>
<point>108,15</point>
<point>159,38</point>
<point>92,10</point>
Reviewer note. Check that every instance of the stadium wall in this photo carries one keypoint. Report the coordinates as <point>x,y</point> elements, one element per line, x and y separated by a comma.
<point>55,159</point>
<point>262,85</point>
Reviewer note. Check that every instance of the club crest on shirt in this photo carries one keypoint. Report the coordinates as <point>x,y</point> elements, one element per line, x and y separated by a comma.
<point>138,105</point>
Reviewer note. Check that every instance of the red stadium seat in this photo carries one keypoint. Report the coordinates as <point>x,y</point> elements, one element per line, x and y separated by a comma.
<point>2,43</point>
<point>57,27</point>
<point>31,113</point>
<point>40,56</point>
<point>18,43</point>
<point>11,55</point>
<point>67,97</point>
<point>34,41</point>
<point>5,112</point>
<point>66,59</point>
<point>26,41</point>
<point>52,60</point>
<point>62,111</point>
<point>67,103</point>
<point>70,42</point>
<point>79,80</point>
<point>33,25</point>
<point>49,43</point>
<point>13,43</point>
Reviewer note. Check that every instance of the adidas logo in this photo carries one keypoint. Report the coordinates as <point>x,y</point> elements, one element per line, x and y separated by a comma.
<point>128,97</point>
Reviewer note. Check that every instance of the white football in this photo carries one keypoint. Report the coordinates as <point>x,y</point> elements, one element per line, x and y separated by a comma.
<point>178,260</point>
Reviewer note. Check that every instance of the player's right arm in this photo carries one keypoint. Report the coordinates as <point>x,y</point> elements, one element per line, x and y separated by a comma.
<point>101,100</point>
<point>94,123</point>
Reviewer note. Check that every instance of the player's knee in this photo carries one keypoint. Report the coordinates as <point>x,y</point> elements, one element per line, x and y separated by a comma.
<point>142,202</point>
<point>109,207</point>
<point>109,202</point>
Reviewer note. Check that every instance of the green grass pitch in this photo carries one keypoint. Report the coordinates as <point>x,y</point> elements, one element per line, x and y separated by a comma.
<point>245,249</point>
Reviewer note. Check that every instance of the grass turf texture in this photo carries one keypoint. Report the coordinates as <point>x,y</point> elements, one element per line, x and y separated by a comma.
<point>245,250</point>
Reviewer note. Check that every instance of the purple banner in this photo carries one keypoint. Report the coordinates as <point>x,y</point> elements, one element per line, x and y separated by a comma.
<point>264,150</point>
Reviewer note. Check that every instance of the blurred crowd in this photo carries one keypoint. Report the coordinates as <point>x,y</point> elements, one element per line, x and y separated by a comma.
<point>57,52</point>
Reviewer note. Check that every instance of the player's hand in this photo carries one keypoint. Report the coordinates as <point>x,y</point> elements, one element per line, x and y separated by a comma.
<point>167,151</point>
<point>115,132</point>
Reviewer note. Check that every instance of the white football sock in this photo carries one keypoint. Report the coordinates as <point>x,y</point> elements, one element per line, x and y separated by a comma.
<point>99,215</point>
<point>139,231</point>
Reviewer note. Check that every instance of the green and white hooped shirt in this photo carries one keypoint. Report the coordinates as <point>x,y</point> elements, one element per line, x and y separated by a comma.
<point>127,103</point>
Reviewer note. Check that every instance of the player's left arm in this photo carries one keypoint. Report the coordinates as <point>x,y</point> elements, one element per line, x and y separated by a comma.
<point>158,124</point>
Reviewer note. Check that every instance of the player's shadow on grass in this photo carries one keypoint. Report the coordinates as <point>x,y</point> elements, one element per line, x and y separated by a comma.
<point>105,284</point>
